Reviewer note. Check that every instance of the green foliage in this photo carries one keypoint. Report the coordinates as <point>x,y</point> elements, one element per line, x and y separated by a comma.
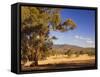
<point>70,24</point>
<point>77,54</point>
<point>91,53</point>
<point>35,27</point>
<point>69,53</point>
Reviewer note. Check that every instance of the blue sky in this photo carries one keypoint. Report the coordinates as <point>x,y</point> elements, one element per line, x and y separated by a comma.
<point>84,34</point>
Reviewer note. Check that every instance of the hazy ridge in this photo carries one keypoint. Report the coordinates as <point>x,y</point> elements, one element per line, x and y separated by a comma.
<point>65,47</point>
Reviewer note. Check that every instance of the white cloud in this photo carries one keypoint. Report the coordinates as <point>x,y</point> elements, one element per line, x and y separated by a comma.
<point>77,37</point>
<point>87,41</point>
<point>90,41</point>
<point>81,38</point>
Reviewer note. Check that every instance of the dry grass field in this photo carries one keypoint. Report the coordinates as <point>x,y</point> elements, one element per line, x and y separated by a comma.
<point>62,61</point>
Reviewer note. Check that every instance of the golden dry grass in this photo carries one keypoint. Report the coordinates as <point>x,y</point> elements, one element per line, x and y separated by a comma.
<point>64,59</point>
<point>57,59</point>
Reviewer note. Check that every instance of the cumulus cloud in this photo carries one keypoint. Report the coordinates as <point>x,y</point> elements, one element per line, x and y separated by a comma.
<point>77,37</point>
<point>81,38</point>
<point>88,42</point>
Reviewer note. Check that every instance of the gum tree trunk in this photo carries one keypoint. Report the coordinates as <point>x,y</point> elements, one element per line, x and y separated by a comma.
<point>36,57</point>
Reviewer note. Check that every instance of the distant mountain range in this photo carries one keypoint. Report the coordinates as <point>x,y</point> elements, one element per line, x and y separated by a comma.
<point>65,47</point>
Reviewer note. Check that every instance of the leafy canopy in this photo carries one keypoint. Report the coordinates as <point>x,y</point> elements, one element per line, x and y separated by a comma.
<point>36,23</point>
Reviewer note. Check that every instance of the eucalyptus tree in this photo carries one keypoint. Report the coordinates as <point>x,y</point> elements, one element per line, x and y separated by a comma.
<point>36,23</point>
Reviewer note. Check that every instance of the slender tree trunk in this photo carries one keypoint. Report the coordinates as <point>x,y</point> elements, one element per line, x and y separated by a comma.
<point>36,57</point>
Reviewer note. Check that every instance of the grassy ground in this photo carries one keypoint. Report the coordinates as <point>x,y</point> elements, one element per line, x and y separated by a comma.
<point>62,61</point>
